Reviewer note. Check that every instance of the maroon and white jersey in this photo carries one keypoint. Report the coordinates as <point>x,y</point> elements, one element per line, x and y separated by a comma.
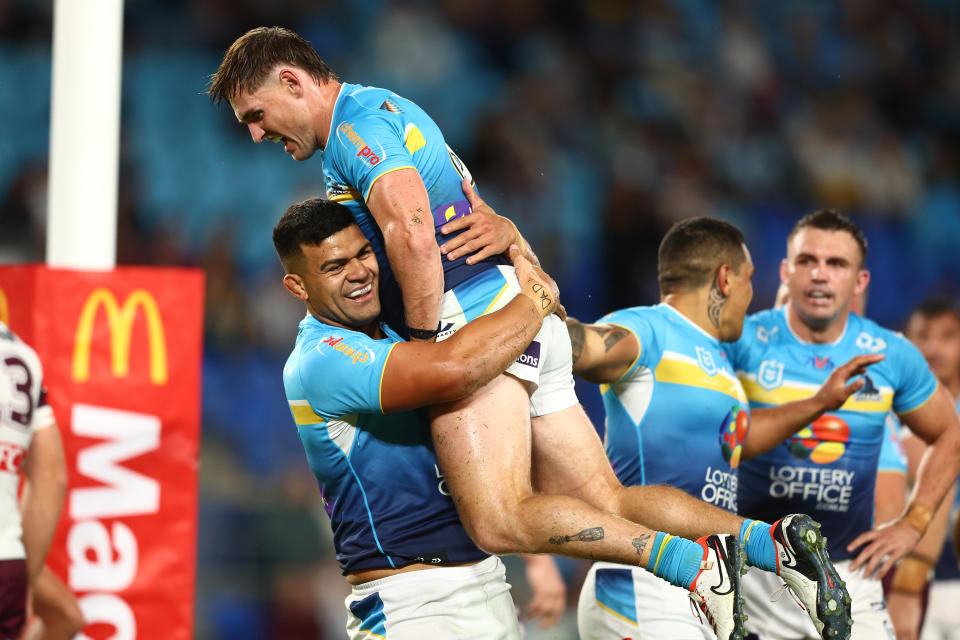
<point>23,412</point>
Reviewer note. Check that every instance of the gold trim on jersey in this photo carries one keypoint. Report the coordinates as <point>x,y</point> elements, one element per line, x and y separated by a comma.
<point>303,413</point>
<point>686,373</point>
<point>413,138</point>
<point>790,391</point>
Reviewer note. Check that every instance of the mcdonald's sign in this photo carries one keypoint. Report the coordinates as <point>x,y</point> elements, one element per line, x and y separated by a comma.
<point>4,308</point>
<point>120,320</point>
<point>126,542</point>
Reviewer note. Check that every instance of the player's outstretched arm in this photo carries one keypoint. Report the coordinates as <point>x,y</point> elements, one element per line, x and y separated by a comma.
<point>602,353</point>
<point>45,470</point>
<point>399,203</point>
<point>417,375</point>
<point>486,233</point>
<point>771,426</point>
<point>937,423</point>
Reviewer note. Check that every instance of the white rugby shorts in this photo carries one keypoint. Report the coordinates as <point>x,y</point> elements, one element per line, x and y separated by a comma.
<point>547,364</point>
<point>471,601</point>
<point>620,601</point>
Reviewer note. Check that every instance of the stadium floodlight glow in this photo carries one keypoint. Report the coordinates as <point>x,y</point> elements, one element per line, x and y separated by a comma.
<point>84,134</point>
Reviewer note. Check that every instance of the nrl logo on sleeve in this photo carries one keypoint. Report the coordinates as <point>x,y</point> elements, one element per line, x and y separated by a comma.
<point>770,375</point>
<point>705,358</point>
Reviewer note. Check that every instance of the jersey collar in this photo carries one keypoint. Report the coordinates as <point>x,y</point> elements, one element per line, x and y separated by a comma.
<point>333,113</point>
<point>689,322</point>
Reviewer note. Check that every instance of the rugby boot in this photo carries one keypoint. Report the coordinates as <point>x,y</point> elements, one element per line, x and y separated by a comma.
<point>805,567</point>
<point>716,589</point>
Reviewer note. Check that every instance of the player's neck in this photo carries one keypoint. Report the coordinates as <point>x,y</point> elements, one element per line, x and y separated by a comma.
<point>373,330</point>
<point>831,333</point>
<point>693,306</point>
<point>327,94</point>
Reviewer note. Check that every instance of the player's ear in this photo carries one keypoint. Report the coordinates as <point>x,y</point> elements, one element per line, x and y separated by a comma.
<point>291,81</point>
<point>863,280</point>
<point>723,279</point>
<point>294,284</point>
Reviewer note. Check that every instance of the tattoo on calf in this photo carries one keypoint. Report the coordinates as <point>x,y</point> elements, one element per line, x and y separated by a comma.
<point>715,302</point>
<point>587,535</point>
<point>640,543</point>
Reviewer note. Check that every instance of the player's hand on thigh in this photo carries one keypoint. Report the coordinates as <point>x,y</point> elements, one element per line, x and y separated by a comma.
<point>484,232</point>
<point>537,285</point>
<point>885,545</point>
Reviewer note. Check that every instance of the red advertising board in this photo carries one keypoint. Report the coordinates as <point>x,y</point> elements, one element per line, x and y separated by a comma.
<point>121,352</point>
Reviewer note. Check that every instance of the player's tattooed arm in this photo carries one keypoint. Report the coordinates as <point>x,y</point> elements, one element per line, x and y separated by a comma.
<point>640,542</point>
<point>601,353</point>
<point>587,535</point>
<point>400,205</point>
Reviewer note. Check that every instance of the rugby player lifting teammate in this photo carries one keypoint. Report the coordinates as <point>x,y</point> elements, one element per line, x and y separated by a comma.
<point>387,161</point>
<point>785,354</point>
<point>354,389</point>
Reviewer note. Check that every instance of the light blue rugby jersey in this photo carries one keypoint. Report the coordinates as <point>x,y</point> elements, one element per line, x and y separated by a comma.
<point>378,474</point>
<point>679,415</point>
<point>375,131</point>
<point>829,469</point>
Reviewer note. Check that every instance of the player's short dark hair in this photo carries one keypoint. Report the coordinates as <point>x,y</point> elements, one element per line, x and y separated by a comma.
<point>694,249</point>
<point>831,220</point>
<point>933,307</point>
<point>308,222</point>
<point>252,57</point>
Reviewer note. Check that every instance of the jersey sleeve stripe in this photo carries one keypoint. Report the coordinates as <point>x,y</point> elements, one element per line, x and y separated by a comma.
<point>374,181</point>
<point>380,389</point>
<point>303,413</point>
<point>922,403</point>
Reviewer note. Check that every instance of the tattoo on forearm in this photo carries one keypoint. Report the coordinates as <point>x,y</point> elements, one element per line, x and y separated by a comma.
<point>416,217</point>
<point>640,543</point>
<point>715,302</point>
<point>587,535</point>
<point>577,336</point>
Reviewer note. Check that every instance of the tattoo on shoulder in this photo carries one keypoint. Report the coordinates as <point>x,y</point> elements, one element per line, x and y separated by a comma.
<point>612,336</point>
<point>715,302</point>
<point>587,535</point>
<point>577,336</point>
<point>640,542</point>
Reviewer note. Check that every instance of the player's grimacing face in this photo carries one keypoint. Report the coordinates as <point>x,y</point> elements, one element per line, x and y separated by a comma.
<point>274,112</point>
<point>938,338</point>
<point>822,272</point>
<point>341,278</point>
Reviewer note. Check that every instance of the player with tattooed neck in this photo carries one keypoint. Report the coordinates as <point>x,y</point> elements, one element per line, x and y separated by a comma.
<point>678,416</point>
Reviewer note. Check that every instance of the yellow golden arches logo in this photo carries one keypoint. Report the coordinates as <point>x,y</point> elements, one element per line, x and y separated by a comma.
<point>120,321</point>
<point>4,308</point>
